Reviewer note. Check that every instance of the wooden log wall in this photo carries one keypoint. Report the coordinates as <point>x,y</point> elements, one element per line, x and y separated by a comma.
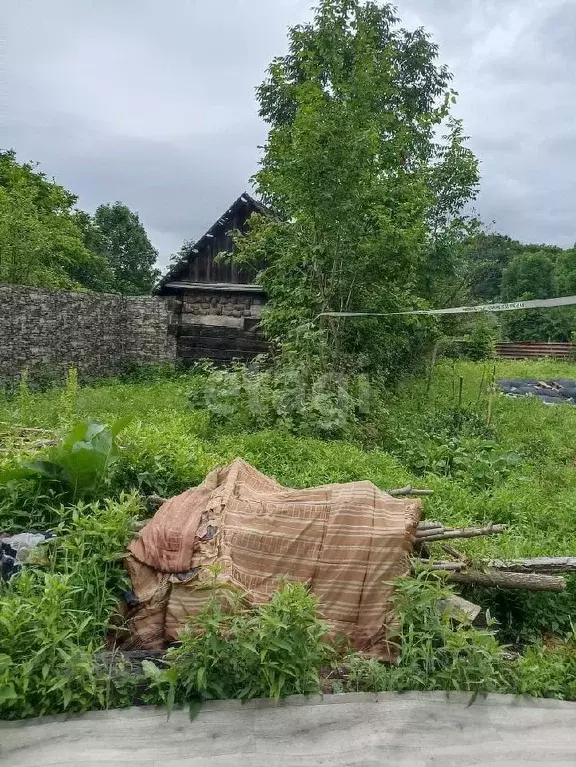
<point>219,325</point>
<point>219,344</point>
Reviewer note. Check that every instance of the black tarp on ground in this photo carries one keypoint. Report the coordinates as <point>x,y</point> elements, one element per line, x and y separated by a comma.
<point>557,391</point>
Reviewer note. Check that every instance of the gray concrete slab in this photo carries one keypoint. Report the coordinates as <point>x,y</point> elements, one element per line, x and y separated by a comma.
<point>353,730</point>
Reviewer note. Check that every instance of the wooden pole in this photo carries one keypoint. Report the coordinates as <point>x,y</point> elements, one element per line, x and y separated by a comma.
<point>506,580</point>
<point>546,565</point>
<point>542,565</point>
<point>432,365</point>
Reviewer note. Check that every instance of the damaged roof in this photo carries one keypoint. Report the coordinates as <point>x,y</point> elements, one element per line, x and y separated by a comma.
<point>221,225</point>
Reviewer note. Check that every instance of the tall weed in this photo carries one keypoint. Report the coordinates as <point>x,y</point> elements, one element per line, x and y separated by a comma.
<point>233,651</point>
<point>437,652</point>
<point>55,614</point>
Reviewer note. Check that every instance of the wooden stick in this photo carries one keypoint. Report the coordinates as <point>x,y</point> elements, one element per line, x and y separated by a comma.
<point>549,565</point>
<point>453,552</point>
<point>450,566</point>
<point>505,580</point>
<point>458,532</point>
<point>17,427</point>
<point>408,490</point>
<point>430,525</point>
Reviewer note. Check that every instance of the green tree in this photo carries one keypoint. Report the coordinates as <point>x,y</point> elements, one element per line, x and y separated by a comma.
<point>97,273</point>
<point>566,272</point>
<point>41,237</point>
<point>487,255</point>
<point>531,275</point>
<point>121,237</point>
<point>362,188</point>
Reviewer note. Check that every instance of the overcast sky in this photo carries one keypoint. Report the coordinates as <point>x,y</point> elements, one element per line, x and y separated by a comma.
<point>152,102</point>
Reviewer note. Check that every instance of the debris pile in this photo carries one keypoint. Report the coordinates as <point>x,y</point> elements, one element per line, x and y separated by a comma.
<point>16,550</point>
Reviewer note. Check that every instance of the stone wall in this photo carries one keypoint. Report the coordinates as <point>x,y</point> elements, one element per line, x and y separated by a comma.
<point>101,334</point>
<point>224,309</point>
<point>220,325</point>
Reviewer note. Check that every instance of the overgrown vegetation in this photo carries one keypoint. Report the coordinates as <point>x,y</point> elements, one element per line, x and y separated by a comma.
<point>367,214</point>
<point>517,469</point>
<point>78,466</point>
<point>55,614</point>
<point>233,651</point>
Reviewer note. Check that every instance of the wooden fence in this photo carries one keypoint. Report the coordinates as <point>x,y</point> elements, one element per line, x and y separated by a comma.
<point>526,349</point>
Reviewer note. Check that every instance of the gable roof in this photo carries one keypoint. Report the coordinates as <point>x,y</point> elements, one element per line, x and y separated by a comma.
<point>220,226</point>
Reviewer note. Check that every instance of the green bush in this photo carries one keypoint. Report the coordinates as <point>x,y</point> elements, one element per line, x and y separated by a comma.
<point>234,651</point>
<point>55,614</point>
<point>480,343</point>
<point>436,651</point>
<point>295,395</point>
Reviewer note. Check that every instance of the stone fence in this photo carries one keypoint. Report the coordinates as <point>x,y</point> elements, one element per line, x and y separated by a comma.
<point>46,331</point>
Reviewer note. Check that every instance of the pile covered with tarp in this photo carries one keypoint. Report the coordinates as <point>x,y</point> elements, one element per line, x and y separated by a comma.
<point>347,541</point>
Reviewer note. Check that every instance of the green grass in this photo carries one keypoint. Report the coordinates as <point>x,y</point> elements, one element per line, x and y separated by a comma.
<point>169,447</point>
<point>519,470</point>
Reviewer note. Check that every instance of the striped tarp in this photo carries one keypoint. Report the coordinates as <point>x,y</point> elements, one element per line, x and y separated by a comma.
<point>347,541</point>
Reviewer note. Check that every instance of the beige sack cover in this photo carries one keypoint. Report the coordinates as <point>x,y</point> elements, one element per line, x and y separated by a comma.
<point>347,541</point>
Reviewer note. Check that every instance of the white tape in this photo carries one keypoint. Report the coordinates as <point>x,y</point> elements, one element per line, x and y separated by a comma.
<point>538,303</point>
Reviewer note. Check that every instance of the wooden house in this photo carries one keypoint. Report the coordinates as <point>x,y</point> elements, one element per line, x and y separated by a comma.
<point>215,304</point>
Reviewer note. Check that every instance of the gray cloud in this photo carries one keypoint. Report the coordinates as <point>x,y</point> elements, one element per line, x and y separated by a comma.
<point>153,103</point>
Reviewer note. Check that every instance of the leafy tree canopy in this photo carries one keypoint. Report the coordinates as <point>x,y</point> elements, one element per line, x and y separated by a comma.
<point>46,242</point>
<point>531,274</point>
<point>367,198</point>
<point>566,272</point>
<point>121,237</point>
<point>41,235</point>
